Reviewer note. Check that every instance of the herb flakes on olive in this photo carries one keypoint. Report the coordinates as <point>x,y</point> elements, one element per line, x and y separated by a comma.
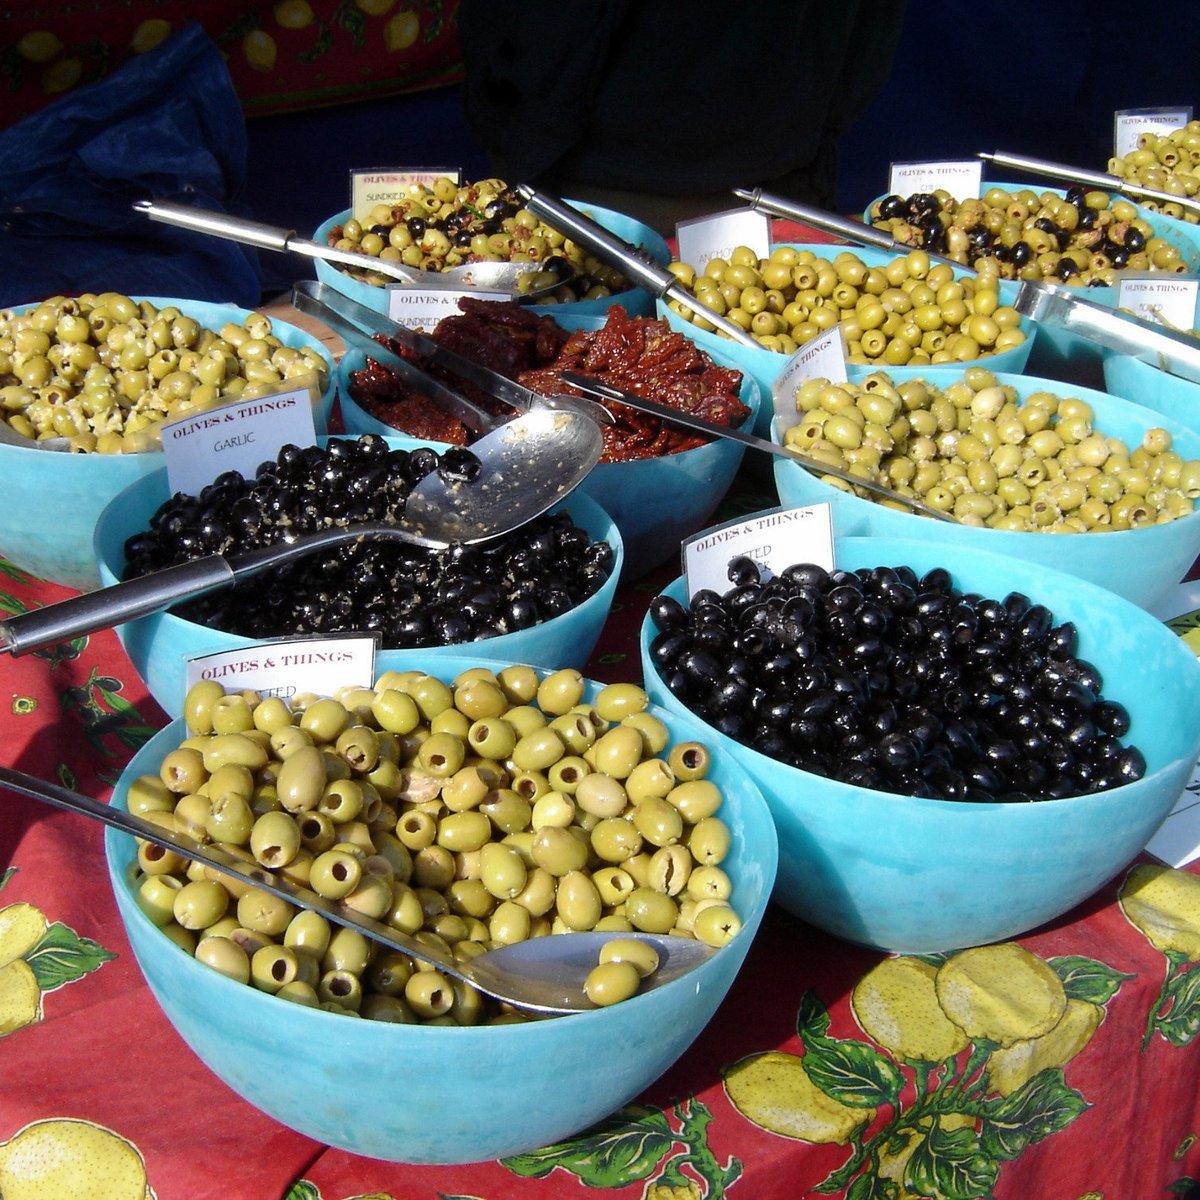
<point>451,857</point>
<point>409,595</point>
<point>903,684</point>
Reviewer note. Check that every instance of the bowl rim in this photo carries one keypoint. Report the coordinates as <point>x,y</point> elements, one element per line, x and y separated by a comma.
<point>1097,594</point>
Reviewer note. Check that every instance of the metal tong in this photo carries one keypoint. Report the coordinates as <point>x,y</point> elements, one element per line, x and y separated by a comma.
<point>1052,304</point>
<point>853,231</point>
<point>1107,183</point>
<point>361,326</point>
<point>629,260</point>
<point>489,276</point>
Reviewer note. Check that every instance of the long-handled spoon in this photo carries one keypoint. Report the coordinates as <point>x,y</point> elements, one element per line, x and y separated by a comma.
<point>482,276</point>
<point>686,420</point>
<point>527,465</point>
<point>543,975</point>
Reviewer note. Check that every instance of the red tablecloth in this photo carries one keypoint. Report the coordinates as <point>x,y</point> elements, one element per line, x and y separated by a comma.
<point>89,1064</point>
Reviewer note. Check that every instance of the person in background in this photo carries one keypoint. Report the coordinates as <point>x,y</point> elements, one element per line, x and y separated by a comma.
<point>657,109</point>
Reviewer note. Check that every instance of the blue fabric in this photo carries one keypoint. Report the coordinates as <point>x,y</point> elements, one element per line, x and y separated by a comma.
<point>166,124</point>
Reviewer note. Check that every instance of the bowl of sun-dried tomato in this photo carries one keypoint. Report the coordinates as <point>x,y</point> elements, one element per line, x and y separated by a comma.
<point>658,482</point>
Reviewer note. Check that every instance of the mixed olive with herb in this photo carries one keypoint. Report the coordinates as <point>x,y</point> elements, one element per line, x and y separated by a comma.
<point>410,595</point>
<point>902,683</point>
<point>471,814</point>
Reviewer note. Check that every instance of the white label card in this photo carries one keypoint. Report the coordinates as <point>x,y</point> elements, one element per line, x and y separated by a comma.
<point>1170,300</point>
<point>718,235</point>
<point>961,179</point>
<point>287,668</point>
<point>822,358</point>
<point>776,539</point>
<point>1130,123</point>
<point>236,437</point>
<point>423,308</point>
<point>389,186</point>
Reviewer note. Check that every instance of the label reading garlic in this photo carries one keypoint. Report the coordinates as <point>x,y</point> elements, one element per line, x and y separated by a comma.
<point>424,307</point>
<point>235,437</point>
<point>718,235</point>
<point>369,187</point>
<point>1130,123</point>
<point>1168,300</point>
<point>822,358</point>
<point>290,667</point>
<point>775,539</point>
<point>960,178</point>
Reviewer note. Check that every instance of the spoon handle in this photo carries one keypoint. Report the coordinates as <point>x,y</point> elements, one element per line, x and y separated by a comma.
<point>697,424</point>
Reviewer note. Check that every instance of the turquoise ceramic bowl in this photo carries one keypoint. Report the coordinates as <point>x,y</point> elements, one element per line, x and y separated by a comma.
<point>422,1094</point>
<point>52,501</point>
<point>637,300</point>
<point>159,645</point>
<point>655,502</point>
<point>1143,383</point>
<point>1142,565</point>
<point>1065,355</point>
<point>915,875</point>
<point>767,365</point>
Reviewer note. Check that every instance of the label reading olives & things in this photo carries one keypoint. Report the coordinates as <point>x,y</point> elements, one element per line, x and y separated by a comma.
<point>423,308</point>
<point>822,358</point>
<point>961,178</point>
<point>1170,300</point>
<point>774,539</point>
<point>286,668</point>
<point>369,187</point>
<point>1130,123</point>
<point>235,437</point>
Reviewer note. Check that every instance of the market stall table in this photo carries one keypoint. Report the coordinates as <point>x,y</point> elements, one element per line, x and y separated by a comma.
<point>1108,1107</point>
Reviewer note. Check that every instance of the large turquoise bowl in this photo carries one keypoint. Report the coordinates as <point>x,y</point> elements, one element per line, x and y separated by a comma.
<point>423,1094</point>
<point>637,300</point>
<point>52,501</point>
<point>655,502</point>
<point>1143,383</point>
<point>160,645</point>
<point>767,365</point>
<point>915,875</point>
<point>1142,565</point>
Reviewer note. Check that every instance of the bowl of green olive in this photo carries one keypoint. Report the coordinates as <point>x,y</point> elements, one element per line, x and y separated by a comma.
<point>1081,237</point>
<point>902,313</point>
<point>364,1048</point>
<point>541,593</point>
<point>100,373</point>
<point>443,225</point>
<point>1047,473</point>
<point>957,746</point>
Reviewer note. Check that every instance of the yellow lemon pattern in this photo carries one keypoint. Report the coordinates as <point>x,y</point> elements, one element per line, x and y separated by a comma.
<point>965,1066</point>
<point>61,1157</point>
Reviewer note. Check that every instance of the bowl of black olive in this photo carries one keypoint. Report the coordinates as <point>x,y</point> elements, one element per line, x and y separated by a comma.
<point>539,595</point>
<point>956,748</point>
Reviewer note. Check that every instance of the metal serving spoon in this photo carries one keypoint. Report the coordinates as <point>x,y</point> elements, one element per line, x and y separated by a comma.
<point>686,420</point>
<point>481,276</point>
<point>543,975</point>
<point>1097,179</point>
<point>528,465</point>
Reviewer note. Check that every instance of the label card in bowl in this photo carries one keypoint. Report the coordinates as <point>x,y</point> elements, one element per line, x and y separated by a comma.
<point>236,437</point>
<point>369,187</point>
<point>961,179</point>
<point>719,234</point>
<point>822,358</point>
<point>1168,299</point>
<point>291,666</point>
<point>776,539</point>
<point>423,308</point>
<point>1130,123</point>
